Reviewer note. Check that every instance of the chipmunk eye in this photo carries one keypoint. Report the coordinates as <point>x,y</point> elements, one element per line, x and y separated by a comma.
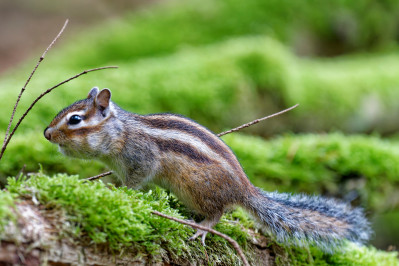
<point>75,119</point>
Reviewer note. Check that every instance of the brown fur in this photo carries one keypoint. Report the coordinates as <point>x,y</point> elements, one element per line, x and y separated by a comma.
<point>185,157</point>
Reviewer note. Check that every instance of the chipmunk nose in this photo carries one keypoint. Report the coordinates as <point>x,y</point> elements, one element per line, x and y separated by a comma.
<point>47,133</point>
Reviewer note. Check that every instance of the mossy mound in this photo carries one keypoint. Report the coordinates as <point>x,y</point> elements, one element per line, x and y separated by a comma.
<point>120,218</point>
<point>213,84</point>
<point>357,168</point>
<point>92,213</point>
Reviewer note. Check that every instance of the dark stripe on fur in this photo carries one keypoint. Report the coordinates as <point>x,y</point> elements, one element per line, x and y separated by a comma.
<point>182,148</point>
<point>167,121</point>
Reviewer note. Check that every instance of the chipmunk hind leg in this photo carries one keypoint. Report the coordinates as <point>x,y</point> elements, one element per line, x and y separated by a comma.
<point>208,222</point>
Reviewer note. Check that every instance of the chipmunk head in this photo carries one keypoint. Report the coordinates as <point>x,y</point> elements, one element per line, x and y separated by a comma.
<point>78,129</point>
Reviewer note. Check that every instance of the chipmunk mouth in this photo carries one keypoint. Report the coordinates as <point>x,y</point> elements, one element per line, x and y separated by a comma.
<point>62,146</point>
<point>64,150</point>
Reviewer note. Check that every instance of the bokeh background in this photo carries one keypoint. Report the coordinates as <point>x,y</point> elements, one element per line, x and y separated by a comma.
<point>224,63</point>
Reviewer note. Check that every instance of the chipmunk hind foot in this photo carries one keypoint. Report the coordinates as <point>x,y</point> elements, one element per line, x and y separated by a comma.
<point>208,222</point>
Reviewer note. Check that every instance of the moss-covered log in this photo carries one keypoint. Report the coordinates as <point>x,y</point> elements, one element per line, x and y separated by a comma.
<point>66,220</point>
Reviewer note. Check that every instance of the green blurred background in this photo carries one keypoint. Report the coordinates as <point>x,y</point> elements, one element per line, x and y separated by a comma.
<point>224,63</point>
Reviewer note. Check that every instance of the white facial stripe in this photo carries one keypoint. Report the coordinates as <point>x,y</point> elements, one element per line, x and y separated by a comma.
<point>67,117</point>
<point>84,123</point>
<point>92,121</point>
<point>79,113</point>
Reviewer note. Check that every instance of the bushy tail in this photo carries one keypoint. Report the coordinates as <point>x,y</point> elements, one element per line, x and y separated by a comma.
<point>305,220</point>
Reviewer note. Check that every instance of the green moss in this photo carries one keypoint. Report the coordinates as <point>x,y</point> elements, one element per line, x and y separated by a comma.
<point>205,84</point>
<point>6,209</point>
<point>351,255</point>
<point>212,64</point>
<point>356,255</point>
<point>213,84</point>
<point>365,167</point>
<point>356,91</point>
<point>166,28</point>
<point>121,218</point>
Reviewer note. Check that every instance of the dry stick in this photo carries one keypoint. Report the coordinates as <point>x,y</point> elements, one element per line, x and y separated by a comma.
<point>98,176</point>
<point>255,121</point>
<point>197,226</point>
<point>41,96</point>
<point>28,80</point>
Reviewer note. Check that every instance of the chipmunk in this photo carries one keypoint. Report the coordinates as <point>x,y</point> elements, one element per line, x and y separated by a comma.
<point>186,158</point>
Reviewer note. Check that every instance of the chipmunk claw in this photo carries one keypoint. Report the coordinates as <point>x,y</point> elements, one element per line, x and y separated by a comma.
<point>208,222</point>
<point>199,233</point>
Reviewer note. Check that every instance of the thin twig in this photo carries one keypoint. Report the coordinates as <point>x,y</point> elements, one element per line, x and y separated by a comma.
<point>255,121</point>
<point>194,225</point>
<point>41,96</point>
<point>98,176</point>
<point>28,80</point>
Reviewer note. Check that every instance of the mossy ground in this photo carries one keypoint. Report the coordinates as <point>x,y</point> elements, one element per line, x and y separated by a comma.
<point>120,218</point>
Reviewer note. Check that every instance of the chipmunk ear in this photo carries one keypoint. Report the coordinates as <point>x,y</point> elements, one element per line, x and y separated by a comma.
<point>103,98</point>
<point>93,92</point>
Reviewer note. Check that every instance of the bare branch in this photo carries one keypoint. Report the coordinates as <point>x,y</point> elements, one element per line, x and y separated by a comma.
<point>197,226</point>
<point>41,96</point>
<point>255,121</point>
<point>98,176</point>
<point>28,80</point>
